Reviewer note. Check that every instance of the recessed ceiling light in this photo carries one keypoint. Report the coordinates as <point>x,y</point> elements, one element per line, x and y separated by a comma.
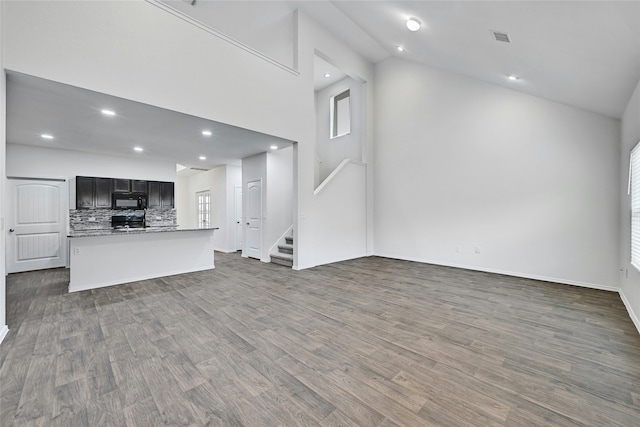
<point>512,78</point>
<point>274,147</point>
<point>327,75</point>
<point>202,158</point>
<point>206,132</point>
<point>413,24</point>
<point>138,149</point>
<point>46,136</point>
<point>400,49</point>
<point>108,112</point>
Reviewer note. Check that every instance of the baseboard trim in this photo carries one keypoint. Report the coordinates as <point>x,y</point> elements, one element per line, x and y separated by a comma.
<point>225,251</point>
<point>3,333</point>
<point>510,273</point>
<point>632,314</point>
<point>80,288</point>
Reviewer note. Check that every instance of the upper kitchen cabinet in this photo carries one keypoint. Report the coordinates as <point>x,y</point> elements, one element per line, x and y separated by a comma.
<point>160,194</point>
<point>166,194</point>
<point>103,192</point>
<point>121,185</point>
<point>129,186</point>
<point>85,188</point>
<point>138,186</point>
<point>92,192</point>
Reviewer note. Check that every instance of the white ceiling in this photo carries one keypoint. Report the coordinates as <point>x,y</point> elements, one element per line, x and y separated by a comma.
<point>581,53</point>
<point>73,116</point>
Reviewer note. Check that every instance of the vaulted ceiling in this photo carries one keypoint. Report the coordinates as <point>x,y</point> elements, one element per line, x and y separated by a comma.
<point>581,53</point>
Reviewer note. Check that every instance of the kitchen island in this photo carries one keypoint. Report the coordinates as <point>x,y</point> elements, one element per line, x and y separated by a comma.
<point>107,257</point>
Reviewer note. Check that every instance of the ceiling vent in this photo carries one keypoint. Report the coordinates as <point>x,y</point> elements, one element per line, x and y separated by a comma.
<point>501,37</point>
<point>199,169</point>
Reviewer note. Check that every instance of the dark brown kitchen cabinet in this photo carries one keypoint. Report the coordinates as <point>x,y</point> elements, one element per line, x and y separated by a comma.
<point>92,192</point>
<point>166,194</point>
<point>121,185</point>
<point>153,194</point>
<point>160,194</point>
<point>103,192</point>
<point>129,185</point>
<point>138,186</point>
<point>85,187</point>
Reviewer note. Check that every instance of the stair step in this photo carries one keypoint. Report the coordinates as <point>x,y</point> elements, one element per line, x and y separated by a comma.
<point>282,259</point>
<point>285,249</point>
<point>289,240</point>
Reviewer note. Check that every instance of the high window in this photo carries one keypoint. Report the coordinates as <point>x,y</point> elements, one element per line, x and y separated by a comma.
<point>203,209</point>
<point>340,113</point>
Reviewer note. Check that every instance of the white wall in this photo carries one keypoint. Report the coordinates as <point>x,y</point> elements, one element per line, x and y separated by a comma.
<point>279,215</point>
<point>630,277</point>
<point>234,179</point>
<point>184,217</point>
<point>343,197</point>
<point>37,162</point>
<point>333,151</point>
<point>80,43</point>
<point>199,182</point>
<point>217,182</point>
<point>267,27</point>
<point>308,214</point>
<point>3,116</point>
<point>275,171</point>
<point>30,161</point>
<point>464,164</point>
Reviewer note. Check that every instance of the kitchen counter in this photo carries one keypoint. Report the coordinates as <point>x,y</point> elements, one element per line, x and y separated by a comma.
<point>123,231</point>
<point>107,257</point>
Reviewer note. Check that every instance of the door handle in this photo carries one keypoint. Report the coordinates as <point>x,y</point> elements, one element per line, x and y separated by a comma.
<point>11,230</point>
<point>247,223</point>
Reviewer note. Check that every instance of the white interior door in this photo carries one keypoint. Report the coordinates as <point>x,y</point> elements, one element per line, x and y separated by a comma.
<point>239,227</point>
<point>254,219</point>
<point>36,224</point>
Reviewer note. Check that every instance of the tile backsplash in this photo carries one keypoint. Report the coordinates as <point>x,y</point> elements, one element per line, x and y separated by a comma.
<point>94,219</point>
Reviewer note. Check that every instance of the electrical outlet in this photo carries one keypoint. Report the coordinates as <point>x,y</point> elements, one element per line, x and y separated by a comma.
<point>457,248</point>
<point>477,250</point>
<point>76,251</point>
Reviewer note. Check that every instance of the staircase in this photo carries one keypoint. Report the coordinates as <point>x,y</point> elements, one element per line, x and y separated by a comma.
<point>285,253</point>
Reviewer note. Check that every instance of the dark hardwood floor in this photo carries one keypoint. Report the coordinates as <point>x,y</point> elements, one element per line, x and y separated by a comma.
<point>368,342</point>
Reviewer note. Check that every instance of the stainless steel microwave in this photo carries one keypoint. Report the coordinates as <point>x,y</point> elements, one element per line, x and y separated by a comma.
<point>135,201</point>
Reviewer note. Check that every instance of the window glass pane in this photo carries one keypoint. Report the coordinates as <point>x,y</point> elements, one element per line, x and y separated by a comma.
<point>203,209</point>
<point>343,116</point>
<point>635,206</point>
<point>340,114</point>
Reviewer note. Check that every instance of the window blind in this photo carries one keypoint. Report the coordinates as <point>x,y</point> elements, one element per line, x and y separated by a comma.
<point>634,170</point>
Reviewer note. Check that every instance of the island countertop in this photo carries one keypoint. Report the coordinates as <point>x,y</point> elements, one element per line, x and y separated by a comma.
<point>123,232</point>
<point>107,257</point>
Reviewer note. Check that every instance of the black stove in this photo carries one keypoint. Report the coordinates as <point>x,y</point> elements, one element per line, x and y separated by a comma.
<point>127,221</point>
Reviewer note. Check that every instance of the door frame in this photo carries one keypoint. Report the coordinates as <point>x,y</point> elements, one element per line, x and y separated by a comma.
<point>197,207</point>
<point>64,215</point>
<point>238,220</point>
<point>245,194</point>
